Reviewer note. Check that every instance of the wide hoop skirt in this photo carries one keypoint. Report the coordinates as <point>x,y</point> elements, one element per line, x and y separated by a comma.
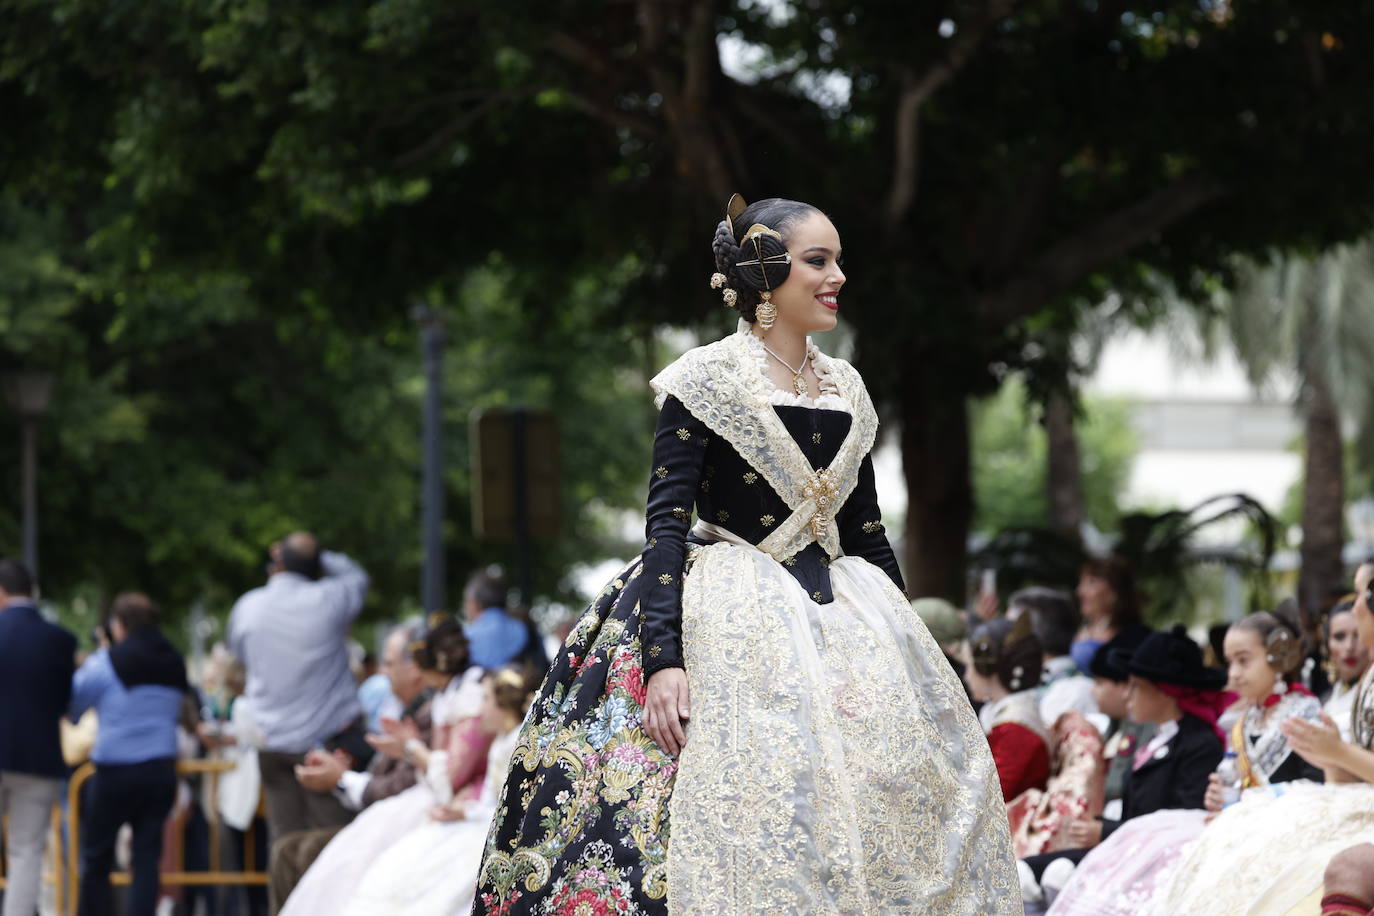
<point>833,763</point>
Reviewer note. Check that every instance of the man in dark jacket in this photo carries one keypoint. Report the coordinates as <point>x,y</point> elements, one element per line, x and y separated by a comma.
<point>136,687</point>
<point>36,660</point>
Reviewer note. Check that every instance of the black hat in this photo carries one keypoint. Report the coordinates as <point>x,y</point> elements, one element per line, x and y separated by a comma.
<point>1112,657</point>
<point>1173,658</point>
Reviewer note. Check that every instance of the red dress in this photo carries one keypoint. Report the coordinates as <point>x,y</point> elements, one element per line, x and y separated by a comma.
<point>1019,742</point>
<point>1022,757</point>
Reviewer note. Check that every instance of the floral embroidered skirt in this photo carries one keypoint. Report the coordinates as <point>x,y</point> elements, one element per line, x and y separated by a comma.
<point>833,763</point>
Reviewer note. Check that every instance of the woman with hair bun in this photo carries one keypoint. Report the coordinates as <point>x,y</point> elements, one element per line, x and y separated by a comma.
<point>1002,672</point>
<point>751,717</point>
<point>432,870</point>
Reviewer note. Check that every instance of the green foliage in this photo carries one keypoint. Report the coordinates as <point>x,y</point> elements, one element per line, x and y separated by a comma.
<point>228,207</point>
<point>1009,461</point>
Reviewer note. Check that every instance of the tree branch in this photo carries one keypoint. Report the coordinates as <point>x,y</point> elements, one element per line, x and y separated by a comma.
<point>1067,261</point>
<point>916,91</point>
<point>456,126</point>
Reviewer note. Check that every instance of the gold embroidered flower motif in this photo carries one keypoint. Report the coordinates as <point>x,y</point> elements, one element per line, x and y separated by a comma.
<point>654,651</point>
<point>872,527</point>
<point>750,477</point>
<point>767,521</point>
<point>680,513</point>
<point>660,472</point>
<point>665,579</point>
<point>816,438</point>
<point>653,542</point>
<point>706,486</point>
<point>684,435</point>
<point>723,515</point>
<point>816,597</point>
<point>790,561</point>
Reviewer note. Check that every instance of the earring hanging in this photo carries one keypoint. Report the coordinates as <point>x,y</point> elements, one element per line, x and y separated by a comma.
<point>767,312</point>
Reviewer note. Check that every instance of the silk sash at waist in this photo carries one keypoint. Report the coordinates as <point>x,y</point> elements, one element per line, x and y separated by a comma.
<point>712,533</point>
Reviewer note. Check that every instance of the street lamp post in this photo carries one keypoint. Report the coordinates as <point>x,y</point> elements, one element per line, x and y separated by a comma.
<point>432,339</point>
<point>28,394</point>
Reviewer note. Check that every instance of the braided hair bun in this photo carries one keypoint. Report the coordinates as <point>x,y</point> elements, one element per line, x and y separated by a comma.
<point>765,267</point>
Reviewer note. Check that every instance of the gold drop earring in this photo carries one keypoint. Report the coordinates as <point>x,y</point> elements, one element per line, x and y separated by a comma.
<point>767,312</point>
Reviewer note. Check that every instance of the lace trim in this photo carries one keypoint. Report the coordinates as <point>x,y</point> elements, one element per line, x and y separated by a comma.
<point>1268,752</point>
<point>829,397</point>
<point>1020,708</point>
<point>721,386</point>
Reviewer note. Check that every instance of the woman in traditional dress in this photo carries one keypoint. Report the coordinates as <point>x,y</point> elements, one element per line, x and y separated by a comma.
<point>1002,672</point>
<point>432,870</point>
<point>1347,662</point>
<point>832,762</point>
<point>1123,875</point>
<point>1266,854</point>
<point>453,765</point>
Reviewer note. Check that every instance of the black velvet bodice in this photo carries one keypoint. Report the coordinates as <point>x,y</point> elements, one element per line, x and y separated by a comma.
<point>695,469</point>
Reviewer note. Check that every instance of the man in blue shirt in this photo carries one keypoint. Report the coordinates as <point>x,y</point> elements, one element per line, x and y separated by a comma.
<point>136,687</point>
<point>495,638</point>
<point>35,686</point>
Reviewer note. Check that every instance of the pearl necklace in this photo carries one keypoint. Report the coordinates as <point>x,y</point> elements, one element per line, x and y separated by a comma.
<point>798,379</point>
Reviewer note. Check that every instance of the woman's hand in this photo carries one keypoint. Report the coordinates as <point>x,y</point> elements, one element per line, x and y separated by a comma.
<point>1085,833</point>
<point>1213,800</point>
<point>666,707</point>
<point>1319,743</point>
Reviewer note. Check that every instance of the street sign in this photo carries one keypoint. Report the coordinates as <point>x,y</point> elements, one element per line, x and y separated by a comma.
<point>516,474</point>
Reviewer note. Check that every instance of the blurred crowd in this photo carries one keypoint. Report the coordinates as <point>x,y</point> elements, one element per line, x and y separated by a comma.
<point>357,785</point>
<point>1146,773</point>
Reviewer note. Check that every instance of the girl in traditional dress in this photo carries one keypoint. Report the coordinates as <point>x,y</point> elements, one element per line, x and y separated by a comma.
<point>832,762</point>
<point>432,870</point>
<point>1123,875</point>
<point>1002,673</point>
<point>1265,856</point>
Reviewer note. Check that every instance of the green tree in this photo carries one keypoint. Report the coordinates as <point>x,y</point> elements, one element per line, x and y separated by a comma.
<point>1312,318</point>
<point>992,164</point>
<point>1011,453</point>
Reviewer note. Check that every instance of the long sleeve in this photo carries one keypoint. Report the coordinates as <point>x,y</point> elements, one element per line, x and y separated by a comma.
<point>861,526</point>
<point>679,454</point>
<point>89,682</point>
<point>346,583</point>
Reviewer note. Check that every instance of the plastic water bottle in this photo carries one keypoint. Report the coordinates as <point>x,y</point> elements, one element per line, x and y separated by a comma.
<point>1229,772</point>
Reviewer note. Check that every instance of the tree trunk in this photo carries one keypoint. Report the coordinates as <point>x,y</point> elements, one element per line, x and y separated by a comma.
<point>1323,498</point>
<point>1064,469</point>
<point>935,462</point>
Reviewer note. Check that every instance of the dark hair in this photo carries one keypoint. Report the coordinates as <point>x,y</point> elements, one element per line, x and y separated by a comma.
<point>1281,637</point>
<point>512,688</point>
<point>302,562</point>
<point>1015,658</point>
<point>1054,618</point>
<point>488,589</point>
<point>777,214</point>
<point>15,578</point>
<point>134,610</point>
<point>444,649</point>
<point>1117,573</point>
